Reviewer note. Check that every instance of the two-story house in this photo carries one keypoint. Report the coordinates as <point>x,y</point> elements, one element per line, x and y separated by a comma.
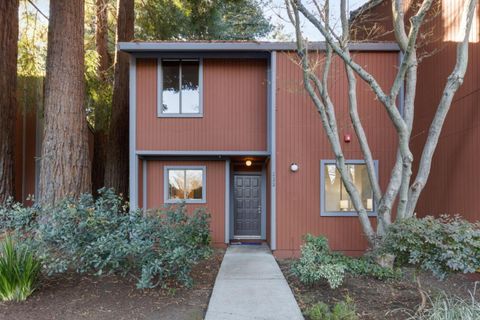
<point>229,126</point>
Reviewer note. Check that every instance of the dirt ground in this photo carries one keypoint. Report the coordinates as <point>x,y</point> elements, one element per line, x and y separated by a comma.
<point>375,299</point>
<point>75,297</point>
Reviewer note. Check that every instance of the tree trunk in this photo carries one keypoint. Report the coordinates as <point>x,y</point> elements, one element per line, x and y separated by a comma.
<point>116,169</point>
<point>100,135</point>
<point>8,88</point>
<point>65,168</point>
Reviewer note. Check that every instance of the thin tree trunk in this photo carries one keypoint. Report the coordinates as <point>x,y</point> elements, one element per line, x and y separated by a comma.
<point>65,168</point>
<point>8,88</point>
<point>100,135</point>
<point>116,169</point>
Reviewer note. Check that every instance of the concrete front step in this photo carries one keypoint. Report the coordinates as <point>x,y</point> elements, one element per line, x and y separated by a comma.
<point>250,285</point>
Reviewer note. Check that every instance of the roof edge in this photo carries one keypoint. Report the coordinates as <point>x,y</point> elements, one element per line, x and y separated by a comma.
<point>365,7</point>
<point>143,47</point>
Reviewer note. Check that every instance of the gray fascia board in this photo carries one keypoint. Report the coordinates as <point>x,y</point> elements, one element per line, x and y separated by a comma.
<point>200,153</point>
<point>143,47</point>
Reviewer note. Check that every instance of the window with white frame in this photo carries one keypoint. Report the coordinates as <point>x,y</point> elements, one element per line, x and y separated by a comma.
<point>335,199</point>
<point>180,85</point>
<point>185,184</point>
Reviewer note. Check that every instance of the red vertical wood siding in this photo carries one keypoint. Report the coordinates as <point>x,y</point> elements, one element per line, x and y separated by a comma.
<point>454,179</point>
<point>300,138</point>
<point>24,153</point>
<point>455,175</point>
<point>234,109</point>
<point>215,191</point>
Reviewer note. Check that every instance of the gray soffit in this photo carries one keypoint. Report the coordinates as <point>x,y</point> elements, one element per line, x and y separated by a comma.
<point>145,47</point>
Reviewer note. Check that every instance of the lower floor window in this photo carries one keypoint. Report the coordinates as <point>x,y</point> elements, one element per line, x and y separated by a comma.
<point>335,198</point>
<point>185,184</point>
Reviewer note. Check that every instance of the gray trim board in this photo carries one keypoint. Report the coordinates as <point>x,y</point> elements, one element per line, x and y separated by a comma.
<point>142,47</point>
<point>203,54</point>
<point>227,201</point>
<point>273,150</point>
<point>264,202</point>
<point>200,153</point>
<point>322,190</point>
<point>144,185</point>
<point>204,184</point>
<point>133,170</point>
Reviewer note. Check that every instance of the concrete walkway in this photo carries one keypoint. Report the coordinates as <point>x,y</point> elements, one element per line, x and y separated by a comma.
<point>250,285</point>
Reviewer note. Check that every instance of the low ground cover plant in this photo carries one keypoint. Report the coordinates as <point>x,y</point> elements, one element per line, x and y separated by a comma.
<point>438,245</point>
<point>443,306</point>
<point>19,270</point>
<point>318,262</point>
<point>101,236</point>
<point>343,310</point>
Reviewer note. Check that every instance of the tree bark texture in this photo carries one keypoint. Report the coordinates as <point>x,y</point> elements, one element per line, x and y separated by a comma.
<point>116,169</point>
<point>65,164</point>
<point>100,134</point>
<point>8,88</point>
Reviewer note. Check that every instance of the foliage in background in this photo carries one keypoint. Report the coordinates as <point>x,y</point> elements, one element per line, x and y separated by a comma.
<point>100,236</point>
<point>99,93</point>
<point>441,246</point>
<point>343,310</point>
<point>200,20</point>
<point>32,42</point>
<point>317,262</point>
<point>19,270</point>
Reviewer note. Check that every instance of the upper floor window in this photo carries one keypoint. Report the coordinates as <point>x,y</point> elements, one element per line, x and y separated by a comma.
<point>335,200</point>
<point>180,88</point>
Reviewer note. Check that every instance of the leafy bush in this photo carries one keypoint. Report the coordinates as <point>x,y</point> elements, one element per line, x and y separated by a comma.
<point>343,310</point>
<point>19,270</point>
<point>101,236</point>
<point>441,246</point>
<point>318,262</point>
<point>15,217</point>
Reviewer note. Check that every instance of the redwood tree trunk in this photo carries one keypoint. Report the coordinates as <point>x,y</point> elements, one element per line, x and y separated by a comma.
<point>116,169</point>
<point>100,135</point>
<point>65,168</point>
<point>8,88</point>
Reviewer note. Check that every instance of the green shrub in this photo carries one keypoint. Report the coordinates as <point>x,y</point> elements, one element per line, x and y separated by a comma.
<point>317,262</point>
<point>441,246</point>
<point>19,270</point>
<point>100,236</point>
<point>15,217</point>
<point>343,310</point>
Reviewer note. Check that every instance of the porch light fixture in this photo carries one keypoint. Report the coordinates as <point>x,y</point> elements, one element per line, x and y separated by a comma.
<point>248,163</point>
<point>294,167</point>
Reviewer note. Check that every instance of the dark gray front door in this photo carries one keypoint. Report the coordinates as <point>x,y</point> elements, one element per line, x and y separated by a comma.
<point>247,206</point>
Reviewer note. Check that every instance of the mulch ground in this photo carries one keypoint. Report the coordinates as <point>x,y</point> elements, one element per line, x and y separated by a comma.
<point>75,297</point>
<point>375,299</point>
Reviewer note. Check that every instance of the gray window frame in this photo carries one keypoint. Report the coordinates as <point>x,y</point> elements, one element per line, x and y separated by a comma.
<point>325,213</point>
<point>166,198</point>
<point>160,113</point>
